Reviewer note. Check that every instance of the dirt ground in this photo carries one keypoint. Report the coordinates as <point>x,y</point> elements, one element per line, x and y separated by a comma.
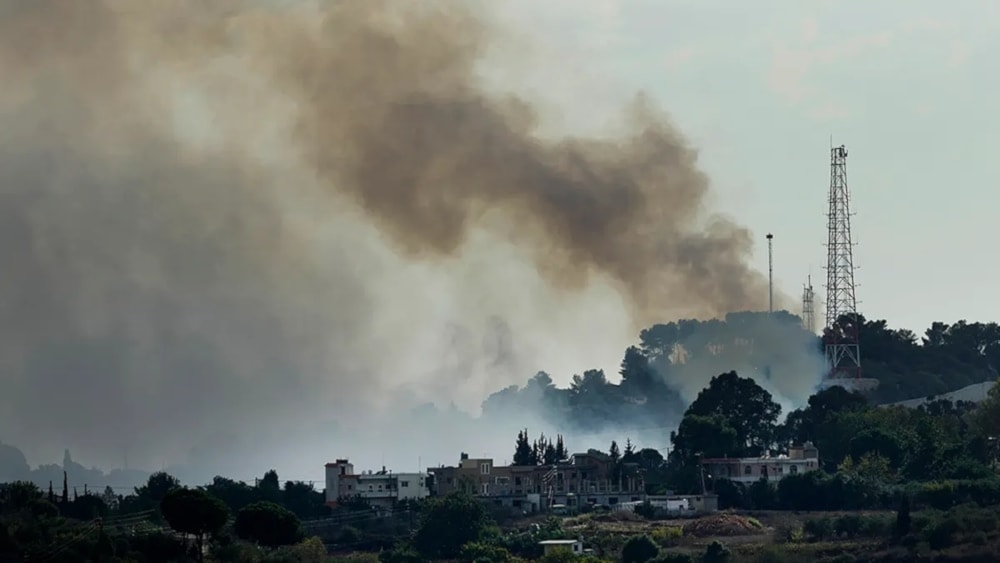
<point>742,531</point>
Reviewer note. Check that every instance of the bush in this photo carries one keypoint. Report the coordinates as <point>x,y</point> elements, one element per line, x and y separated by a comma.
<point>667,536</point>
<point>349,535</point>
<point>786,533</point>
<point>400,554</point>
<point>476,552</point>
<point>875,526</point>
<point>818,529</point>
<point>716,552</point>
<point>941,534</point>
<point>674,558</point>
<point>639,549</point>
<point>645,509</point>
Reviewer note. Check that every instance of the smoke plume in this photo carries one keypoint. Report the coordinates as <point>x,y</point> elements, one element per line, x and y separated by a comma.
<point>232,221</point>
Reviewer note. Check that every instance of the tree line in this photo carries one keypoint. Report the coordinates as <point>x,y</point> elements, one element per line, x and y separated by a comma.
<point>668,356</point>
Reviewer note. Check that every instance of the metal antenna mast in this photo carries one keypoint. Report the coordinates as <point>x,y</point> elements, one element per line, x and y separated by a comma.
<point>840,339</point>
<point>770,274</point>
<point>808,306</point>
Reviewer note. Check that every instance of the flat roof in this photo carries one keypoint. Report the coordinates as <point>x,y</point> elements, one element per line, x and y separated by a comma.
<point>557,542</point>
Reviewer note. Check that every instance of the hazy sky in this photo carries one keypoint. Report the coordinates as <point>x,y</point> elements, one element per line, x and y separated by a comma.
<point>909,86</point>
<point>759,87</point>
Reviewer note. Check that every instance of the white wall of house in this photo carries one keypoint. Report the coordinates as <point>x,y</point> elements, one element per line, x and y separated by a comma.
<point>412,486</point>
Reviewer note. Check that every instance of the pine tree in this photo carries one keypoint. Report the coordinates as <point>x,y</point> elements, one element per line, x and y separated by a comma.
<point>74,494</point>
<point>550,457</point>
<point>616,465</point>
<point>65,494</point>
<point>629,449</point>
<point>523,451</point>
<point>561,448</point>
<point>535,453</point>
<point>52,494</point>
<point>543,445</point>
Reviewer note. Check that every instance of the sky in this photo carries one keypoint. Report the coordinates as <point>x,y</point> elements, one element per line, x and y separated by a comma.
<point>908,86</point>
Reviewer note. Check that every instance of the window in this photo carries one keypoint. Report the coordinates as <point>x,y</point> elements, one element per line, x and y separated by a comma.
<point>517,480</point>
<point>404,483</point>
<point>486,488</point>
<point>484,469</point>
<point>793,469</point>
<point>747,470</point>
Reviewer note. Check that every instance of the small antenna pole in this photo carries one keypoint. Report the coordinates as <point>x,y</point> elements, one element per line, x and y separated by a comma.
<point>770,274</point>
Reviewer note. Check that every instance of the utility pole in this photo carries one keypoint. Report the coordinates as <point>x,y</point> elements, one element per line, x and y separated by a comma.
<point>840,342</point>
<point>770,274</point>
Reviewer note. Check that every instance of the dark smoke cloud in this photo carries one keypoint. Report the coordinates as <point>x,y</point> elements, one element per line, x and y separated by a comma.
<point>196,199</point>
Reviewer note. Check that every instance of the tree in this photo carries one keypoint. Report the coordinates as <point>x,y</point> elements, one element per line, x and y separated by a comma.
<point>639,549</point>
<point>156,487</point>
<point>550,457</point>
<point>304,500</point>
<point>269,486</point>
<point>194,511</point>
<point>561,453</point>
<point>746,407</point>
<point>903,520</point>
<point>109,497</point>
<point>522,449</point>
<point>448,524</point>
<point>703,436</point>
<point>987,417</point>
<point>267,524</point>
<point>236,494</point>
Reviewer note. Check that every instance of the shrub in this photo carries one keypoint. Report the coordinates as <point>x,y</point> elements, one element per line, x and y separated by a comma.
<point>941,534</point>
<point>786,533</point>
<point>400,554</point>
<point>874,526</point>
<point>645,509</point>
<point>673,558</point>
<point>476,552</point>
<point>818,529</point>
<point>639,549</point>
<point>716,552</point>
<point>349,535</point>
<point>667,536</point>
<point>847,525</point>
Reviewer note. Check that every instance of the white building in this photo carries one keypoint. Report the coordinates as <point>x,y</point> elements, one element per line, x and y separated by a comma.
<point>383,488</point>
<point>800,459</point>
<point>551,546</point>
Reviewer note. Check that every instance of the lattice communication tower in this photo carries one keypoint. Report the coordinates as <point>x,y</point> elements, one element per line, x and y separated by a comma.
<point>808,306</point>
<point>840,334</point>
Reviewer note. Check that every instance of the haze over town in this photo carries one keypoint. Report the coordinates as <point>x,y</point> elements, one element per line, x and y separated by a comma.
<point>242,237</point>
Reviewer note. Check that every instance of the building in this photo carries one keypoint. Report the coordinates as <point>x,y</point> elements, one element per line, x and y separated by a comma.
<point>551,546</point>
<point>677,505</point>
<point>382,488</point>
<point>586,478</point>
<point>800,459</point>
